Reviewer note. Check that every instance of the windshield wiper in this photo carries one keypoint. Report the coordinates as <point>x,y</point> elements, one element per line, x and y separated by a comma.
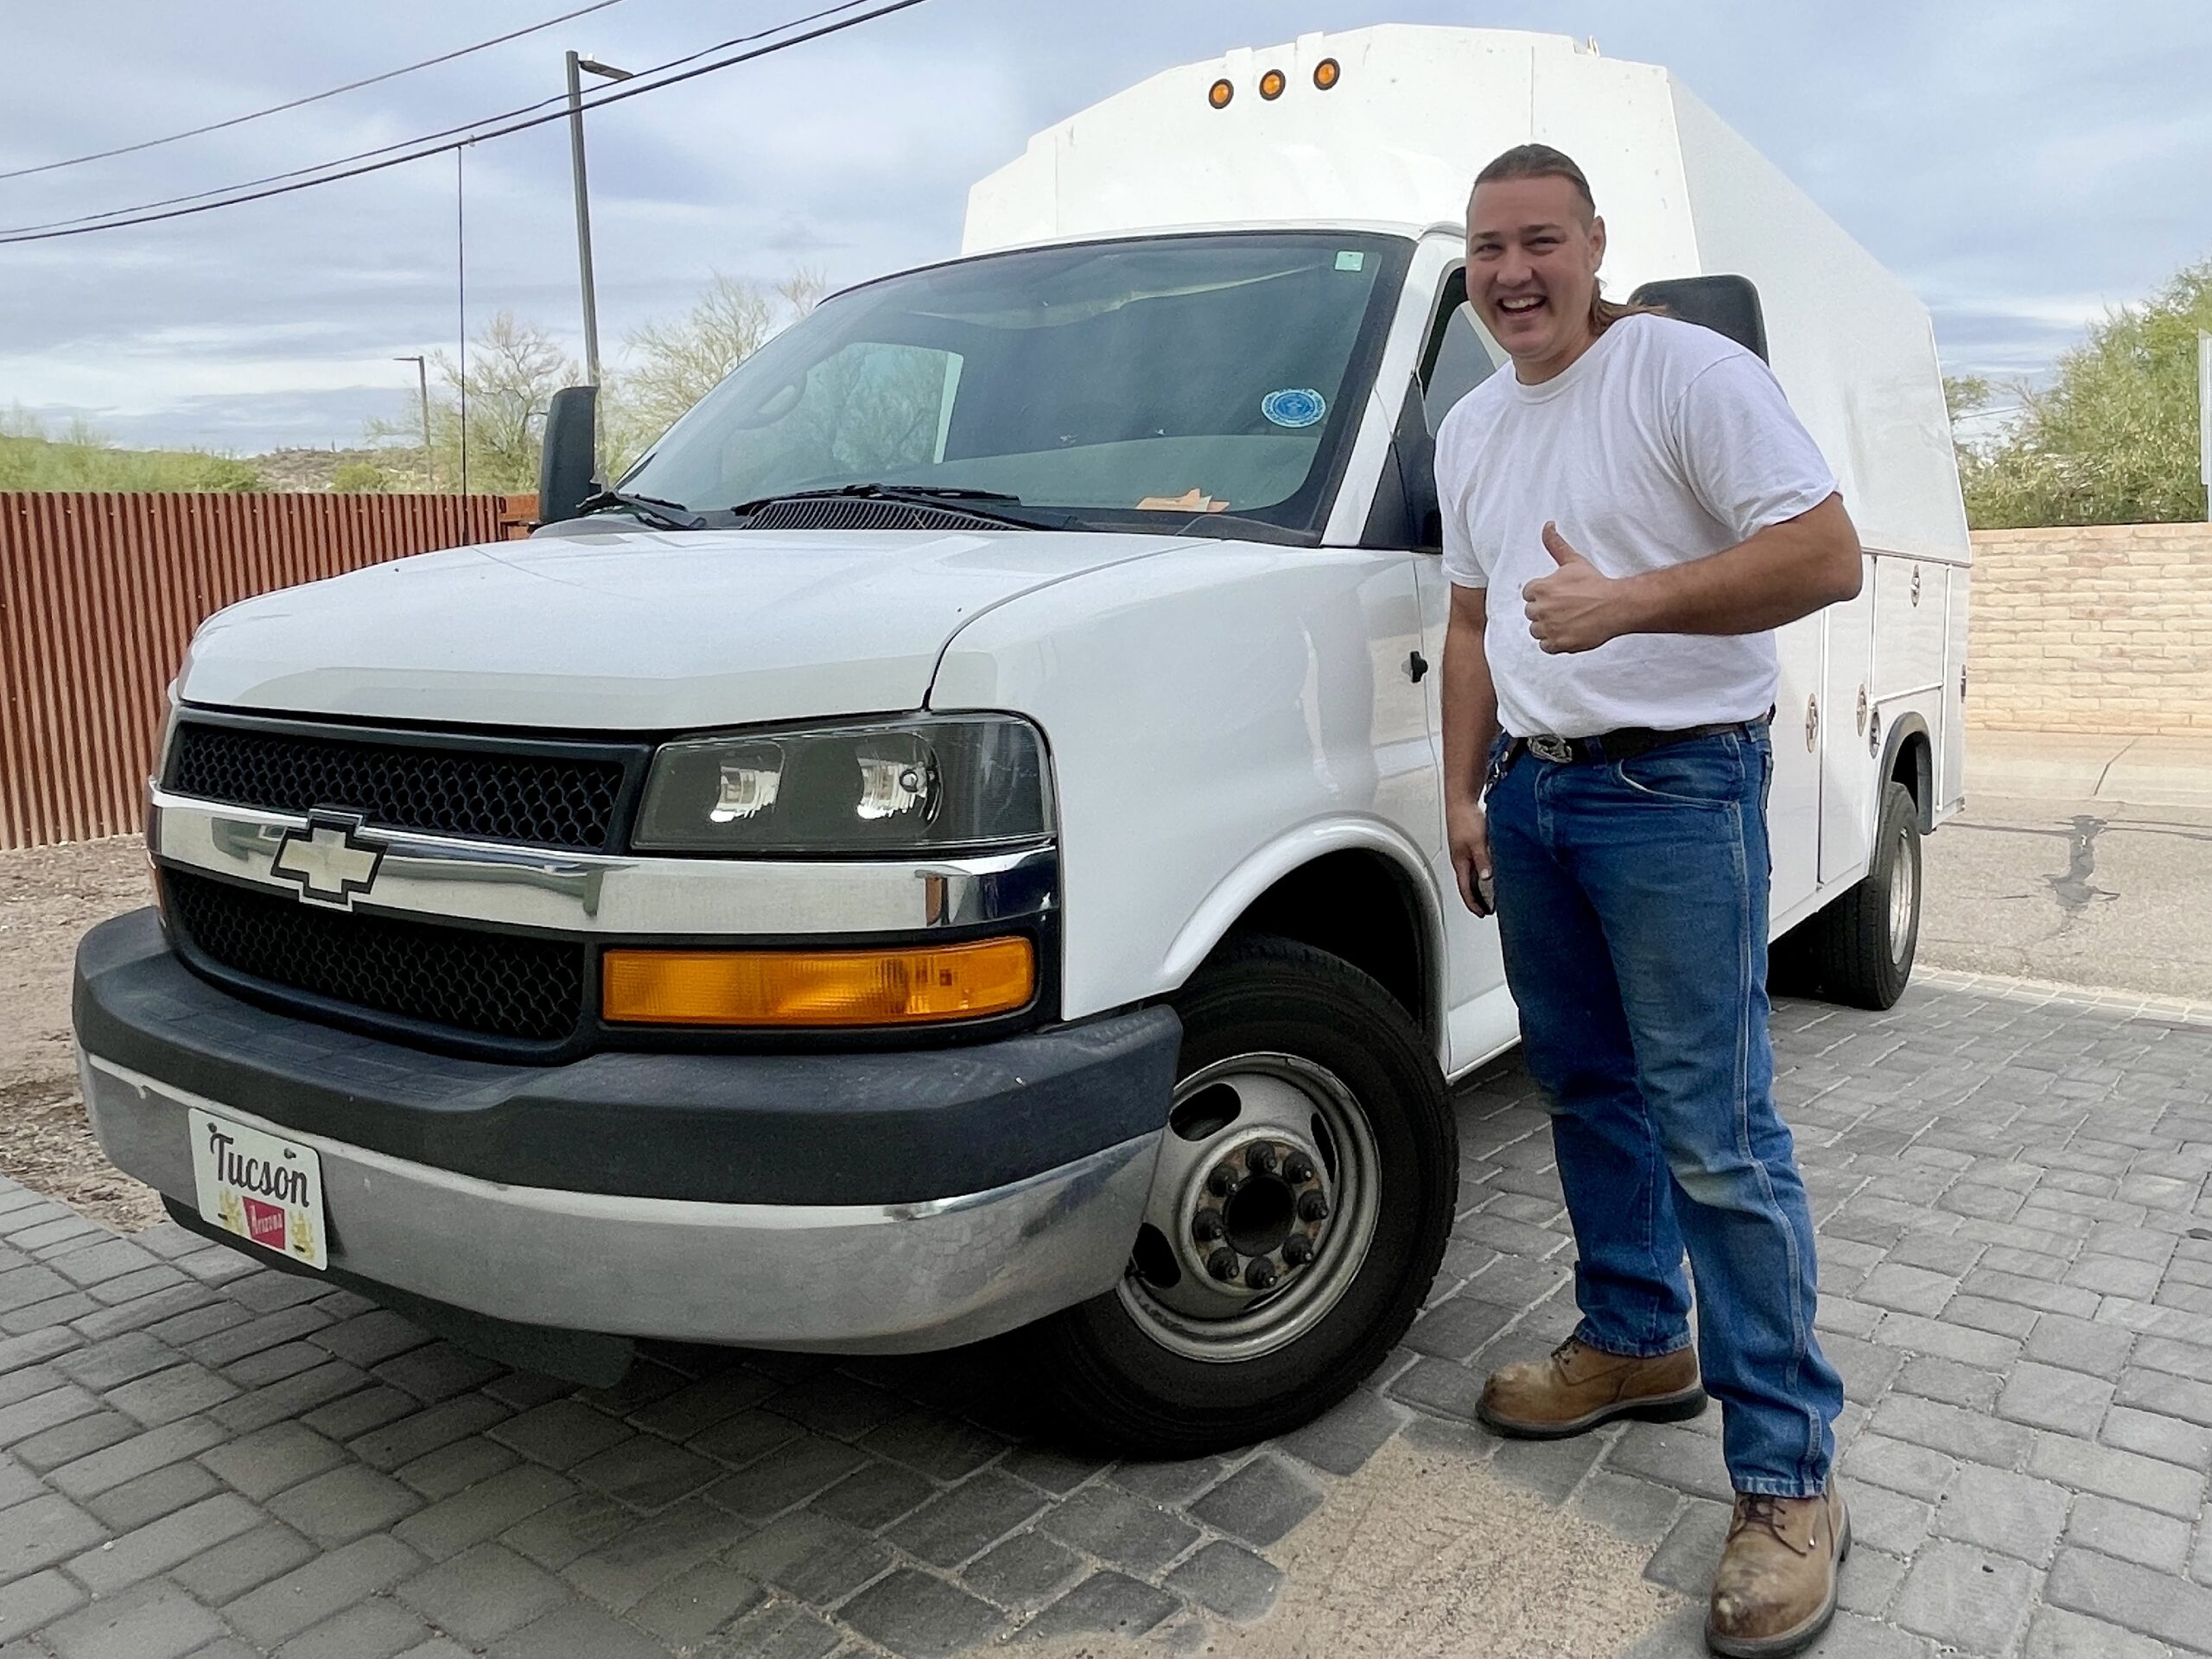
<point>993,505</point>
<point>1235,527</point>
<point>668,515</point>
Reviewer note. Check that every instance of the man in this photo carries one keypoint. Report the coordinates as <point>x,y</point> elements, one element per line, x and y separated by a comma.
<point>1628,516</point>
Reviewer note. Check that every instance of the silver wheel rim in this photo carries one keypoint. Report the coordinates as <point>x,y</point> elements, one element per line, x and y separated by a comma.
<point>1904,887</point>
<point>1283,1103</point>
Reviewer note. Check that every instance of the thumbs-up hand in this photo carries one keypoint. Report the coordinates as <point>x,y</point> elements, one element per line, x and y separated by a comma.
<point>1576,608</point>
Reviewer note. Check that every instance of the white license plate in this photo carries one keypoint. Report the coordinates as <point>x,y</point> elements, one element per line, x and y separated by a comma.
<point>265,1189</point>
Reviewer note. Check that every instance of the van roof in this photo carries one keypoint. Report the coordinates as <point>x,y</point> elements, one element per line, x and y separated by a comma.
<point>1410,114</point>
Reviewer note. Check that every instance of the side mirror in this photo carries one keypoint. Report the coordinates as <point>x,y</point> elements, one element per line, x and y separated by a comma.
<point>565,464</point>
<point>1727,305</point>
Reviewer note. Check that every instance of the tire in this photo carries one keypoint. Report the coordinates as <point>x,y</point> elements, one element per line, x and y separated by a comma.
<point>1859,949</point>
<point>1299,1075</point>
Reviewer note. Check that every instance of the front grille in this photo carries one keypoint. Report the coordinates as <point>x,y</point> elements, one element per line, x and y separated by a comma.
<point>858,513</point>
<point>534,800</point>
<point>492,984</point>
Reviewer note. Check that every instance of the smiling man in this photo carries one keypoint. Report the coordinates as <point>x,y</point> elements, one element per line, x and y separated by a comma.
<point>1628,517</point>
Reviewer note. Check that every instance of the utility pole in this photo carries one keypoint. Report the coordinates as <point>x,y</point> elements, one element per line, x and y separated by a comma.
<point>578,67</point>
<point>423,383</point>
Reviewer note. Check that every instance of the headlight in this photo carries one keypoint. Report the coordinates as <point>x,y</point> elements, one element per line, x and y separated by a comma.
<point>925,785</point>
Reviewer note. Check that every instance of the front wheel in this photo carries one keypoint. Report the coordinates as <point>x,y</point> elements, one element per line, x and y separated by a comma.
<point>1303,1197</point>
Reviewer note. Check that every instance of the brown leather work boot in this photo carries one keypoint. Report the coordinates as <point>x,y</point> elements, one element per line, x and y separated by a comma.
<point>1580,1386</point>
<point>1775,1591</point>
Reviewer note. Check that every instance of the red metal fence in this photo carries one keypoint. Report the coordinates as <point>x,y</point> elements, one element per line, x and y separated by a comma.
<point>100,594</point>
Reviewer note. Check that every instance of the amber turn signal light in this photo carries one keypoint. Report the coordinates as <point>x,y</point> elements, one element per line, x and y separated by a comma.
<point>1327,73</point>
<point>898,987</point>
<point>1220,94</point>
<point>1272,85</point>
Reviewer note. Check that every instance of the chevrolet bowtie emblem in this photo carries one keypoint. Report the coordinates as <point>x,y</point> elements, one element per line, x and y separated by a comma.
<point>327,859</point>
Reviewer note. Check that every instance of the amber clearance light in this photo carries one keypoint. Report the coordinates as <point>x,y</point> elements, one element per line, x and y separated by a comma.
<point>1272,85</point>
<point>1327,73</point>
<point>1219,95</point>
<point>816,987</point>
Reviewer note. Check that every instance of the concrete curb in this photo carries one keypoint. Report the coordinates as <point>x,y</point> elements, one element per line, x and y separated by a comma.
<point>2090,767</point>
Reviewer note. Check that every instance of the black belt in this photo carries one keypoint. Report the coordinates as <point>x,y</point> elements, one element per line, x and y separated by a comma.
<point>1625,744</point>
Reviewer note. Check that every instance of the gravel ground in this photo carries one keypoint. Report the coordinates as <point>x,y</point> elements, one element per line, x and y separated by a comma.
<point>49,897</point>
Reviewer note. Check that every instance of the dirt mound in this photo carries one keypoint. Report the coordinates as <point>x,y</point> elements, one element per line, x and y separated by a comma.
<point>49,897</point>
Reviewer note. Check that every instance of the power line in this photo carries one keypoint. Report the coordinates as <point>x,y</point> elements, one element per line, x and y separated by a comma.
<point>473,132</point>
<point>311,98</point>
<point>466,132</point>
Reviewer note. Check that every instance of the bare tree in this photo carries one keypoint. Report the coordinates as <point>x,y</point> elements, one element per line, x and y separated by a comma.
<point>671,364</point>
<point>675,363</point>
<point>515,365</point>
<point>514,368</point>
<point>805,288</point>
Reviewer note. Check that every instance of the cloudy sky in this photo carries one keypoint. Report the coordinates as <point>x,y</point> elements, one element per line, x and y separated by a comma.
<point>2022,168</point>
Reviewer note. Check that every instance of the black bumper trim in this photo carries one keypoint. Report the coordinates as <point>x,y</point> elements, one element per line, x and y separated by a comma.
<point>906,1127</point>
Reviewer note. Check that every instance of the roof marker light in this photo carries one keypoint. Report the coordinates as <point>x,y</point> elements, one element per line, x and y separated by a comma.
<point>1221,93</point>
<point>1327,73</point>
<point>1272,85</point>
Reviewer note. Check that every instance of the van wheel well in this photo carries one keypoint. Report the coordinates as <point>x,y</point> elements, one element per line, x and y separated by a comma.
<point>1359,907</point>
<point>1913,765</point>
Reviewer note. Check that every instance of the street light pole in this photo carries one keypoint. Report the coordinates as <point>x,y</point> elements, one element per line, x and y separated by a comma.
<point>423,383</point>
<point>578,66</point>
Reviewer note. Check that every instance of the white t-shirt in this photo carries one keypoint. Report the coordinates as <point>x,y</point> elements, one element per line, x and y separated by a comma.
<point>1662,443</point>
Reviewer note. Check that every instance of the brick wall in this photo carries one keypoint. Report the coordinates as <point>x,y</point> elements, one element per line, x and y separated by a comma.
<point>2103,629</point>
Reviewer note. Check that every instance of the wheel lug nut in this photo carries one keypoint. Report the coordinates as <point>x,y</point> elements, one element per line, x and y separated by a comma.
<point>1299,1170</point>
<point>1298,1250</point>
<point>1223,1264</point>
<point>1259,1274</point>
<point>1221,1183</point>
<point>1205,1226</point>
<point>1312,1207</point>
<point>1260,1160</point>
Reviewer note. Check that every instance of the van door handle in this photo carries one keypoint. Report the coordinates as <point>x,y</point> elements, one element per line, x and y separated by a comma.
<point>1416,667</point>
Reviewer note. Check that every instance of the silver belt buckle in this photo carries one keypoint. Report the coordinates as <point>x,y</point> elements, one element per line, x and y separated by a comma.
<point>1555,749</point>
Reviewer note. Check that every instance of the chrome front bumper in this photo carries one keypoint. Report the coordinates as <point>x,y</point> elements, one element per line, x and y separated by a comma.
<point>896,1278</point>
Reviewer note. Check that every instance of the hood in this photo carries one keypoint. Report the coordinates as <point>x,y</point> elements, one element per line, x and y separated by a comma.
<point>634,631</point>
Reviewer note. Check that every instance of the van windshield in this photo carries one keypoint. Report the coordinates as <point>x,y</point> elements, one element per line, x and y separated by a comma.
<point>1132,384</point>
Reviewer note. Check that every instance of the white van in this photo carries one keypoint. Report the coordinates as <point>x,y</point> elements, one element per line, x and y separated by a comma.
<point>955,842</point>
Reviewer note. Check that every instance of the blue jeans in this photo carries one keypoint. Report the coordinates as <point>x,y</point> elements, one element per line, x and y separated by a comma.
<point>1632,909</point>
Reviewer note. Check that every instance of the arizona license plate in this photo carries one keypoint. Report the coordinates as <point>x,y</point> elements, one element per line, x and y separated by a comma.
<point>265,1189</point>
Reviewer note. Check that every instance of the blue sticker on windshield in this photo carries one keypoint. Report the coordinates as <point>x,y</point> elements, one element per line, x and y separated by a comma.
<point>1294,406</point>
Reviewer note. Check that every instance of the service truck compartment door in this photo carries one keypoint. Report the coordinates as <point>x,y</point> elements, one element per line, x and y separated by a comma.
<point>1846,768</point>
<point>1793,809</point>
<point>1908,626</point>
<point>1951,757</point>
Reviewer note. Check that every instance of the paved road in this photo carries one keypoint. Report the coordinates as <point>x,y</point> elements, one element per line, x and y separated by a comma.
<point>206,1458</point>
<point>2086,892</point>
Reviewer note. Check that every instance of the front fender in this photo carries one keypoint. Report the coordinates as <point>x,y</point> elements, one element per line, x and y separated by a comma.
<point>1241,888</point>
<point>1218,714</point>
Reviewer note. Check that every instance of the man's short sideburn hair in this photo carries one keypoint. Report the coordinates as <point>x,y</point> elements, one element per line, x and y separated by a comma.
<point>1542,161</point>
